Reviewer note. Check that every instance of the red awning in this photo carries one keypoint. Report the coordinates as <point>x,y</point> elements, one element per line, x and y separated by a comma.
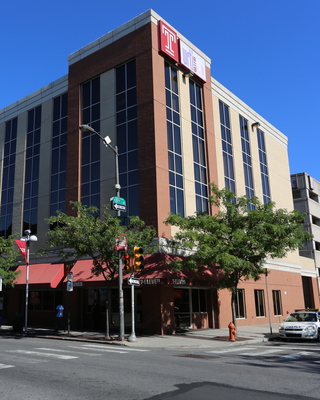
<point>82,272</point>
<point>156,272</point>
<point>41,274</point>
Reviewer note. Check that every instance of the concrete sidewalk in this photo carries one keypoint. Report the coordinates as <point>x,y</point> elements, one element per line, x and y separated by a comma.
<point>206,338</point>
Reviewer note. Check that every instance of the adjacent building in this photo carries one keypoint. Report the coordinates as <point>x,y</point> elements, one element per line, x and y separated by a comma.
<point>148,88</point>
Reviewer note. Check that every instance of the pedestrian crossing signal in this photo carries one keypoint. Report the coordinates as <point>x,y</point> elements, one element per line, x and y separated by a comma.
<point>138,258</point>
<point>126,262</point>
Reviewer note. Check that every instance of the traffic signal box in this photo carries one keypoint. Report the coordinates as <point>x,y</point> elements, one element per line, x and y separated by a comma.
<point>126,262</point>
<point>138,258</point>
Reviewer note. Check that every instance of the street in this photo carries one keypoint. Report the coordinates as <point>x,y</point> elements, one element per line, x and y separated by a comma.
<point>36,368</point>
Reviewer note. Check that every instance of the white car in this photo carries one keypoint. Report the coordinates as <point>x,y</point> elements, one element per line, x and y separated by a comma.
<point>301,324</point>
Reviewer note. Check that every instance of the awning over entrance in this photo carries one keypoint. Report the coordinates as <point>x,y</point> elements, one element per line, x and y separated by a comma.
<point>82,272</point>
<point>41,274</point>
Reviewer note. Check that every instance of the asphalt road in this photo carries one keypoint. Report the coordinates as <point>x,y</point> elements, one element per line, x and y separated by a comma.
<point>33,368</point>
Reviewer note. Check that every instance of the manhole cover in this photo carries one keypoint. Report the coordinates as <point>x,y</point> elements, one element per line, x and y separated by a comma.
<point>203,357</point>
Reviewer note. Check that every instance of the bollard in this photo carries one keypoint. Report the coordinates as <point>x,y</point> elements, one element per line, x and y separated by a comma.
<point>232,332</point>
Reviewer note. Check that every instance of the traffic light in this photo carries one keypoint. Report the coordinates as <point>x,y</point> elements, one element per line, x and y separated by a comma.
<point>126,262</point>
<point>138,258</point>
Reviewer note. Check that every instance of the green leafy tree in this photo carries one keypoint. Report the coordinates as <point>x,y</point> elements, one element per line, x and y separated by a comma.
<point>236,241</point>
<point>8,260</point>
<point>88,235</point>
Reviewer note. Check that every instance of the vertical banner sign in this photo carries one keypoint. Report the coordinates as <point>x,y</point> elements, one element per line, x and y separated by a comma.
<point>0,283</point>
<point>22,246</point>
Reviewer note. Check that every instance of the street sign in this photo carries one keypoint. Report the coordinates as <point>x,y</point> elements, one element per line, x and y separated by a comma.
<point>134,281</point>
<point>118,204</point>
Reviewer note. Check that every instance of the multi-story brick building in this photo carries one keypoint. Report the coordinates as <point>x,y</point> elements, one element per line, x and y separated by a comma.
<point>177,129</point>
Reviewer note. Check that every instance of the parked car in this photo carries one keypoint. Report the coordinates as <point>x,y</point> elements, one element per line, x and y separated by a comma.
<point>301,324</point>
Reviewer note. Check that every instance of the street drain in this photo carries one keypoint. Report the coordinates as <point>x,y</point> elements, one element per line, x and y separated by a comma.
<point>203,357</point>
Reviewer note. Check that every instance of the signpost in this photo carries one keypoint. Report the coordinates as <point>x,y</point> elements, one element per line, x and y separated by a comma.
<point>133,282</point>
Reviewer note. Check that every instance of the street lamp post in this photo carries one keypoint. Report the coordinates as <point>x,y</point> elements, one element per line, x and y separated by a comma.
<point>27,238</point>
<point>107,142</point>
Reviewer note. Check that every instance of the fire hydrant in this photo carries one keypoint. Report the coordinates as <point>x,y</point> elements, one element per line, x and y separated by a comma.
<point>232,332</point>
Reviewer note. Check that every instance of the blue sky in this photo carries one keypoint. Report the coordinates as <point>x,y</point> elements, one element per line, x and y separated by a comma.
<point>267,52</point>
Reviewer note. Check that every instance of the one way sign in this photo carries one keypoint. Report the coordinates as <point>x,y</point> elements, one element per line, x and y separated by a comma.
<point>134,281</point>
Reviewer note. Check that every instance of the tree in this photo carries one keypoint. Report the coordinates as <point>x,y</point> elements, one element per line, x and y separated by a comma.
<point>236,241</point>
<point>8,260</point>
<point>88,235</point>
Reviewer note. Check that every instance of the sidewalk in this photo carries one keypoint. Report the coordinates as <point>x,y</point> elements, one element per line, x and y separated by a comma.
<point>206,338</point>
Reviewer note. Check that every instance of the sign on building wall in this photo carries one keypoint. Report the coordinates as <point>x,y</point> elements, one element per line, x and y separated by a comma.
<point>168,41</point>
<point>169,44</point>
<point>191,60</point>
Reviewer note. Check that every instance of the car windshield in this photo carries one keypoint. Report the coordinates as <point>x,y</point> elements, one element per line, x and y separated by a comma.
<point>302,317</point>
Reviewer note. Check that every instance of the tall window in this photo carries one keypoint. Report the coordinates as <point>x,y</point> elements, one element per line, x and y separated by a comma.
<point>263,167</point>
<point>199,303</point>
<point>174,141</point>
<point>246,157</point>
<point>277,306</point>
<point>30,218</point>
<point>8,171</point>
<point>240,304</point>
<point>127,135</point>
<point>199,158</point>
<point>227,152</point>
<point>90,173</point>
<point>59,154</point>
<point>259,302</point>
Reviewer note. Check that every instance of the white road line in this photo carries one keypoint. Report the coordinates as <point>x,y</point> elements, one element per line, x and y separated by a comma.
<point>70,351</point>
<point>103,350</point>
<point>38,353</point>
<point>232,350</point>
<point>261,353</point>
<point>295,356</point>
<point>102,347</point>
<point>3,366</point>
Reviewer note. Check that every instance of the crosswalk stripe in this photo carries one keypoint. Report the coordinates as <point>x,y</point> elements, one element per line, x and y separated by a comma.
<point>3,366</point>
<point>69,351</point>
<point>261,353</point>
<point>231,350</point>
<point>102,347</point>
<point>296,355</point>
<point>38,353</point>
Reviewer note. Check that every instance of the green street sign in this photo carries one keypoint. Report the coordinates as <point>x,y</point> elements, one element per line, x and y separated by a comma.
<point>118,204</point>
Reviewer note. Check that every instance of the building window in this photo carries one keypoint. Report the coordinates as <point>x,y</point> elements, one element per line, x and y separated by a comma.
<point>198,142</point>
<point>277,306</point>
<point>227,152</point>
<point>259,302</point>
<point>8,173</point>
<point>31,187</point>
<point>199,303</point>
<point>45,300</point>
<point>263,167</point>
<point>59,154</point>
<point>127,135</point>
<point>247,162</point>
<point>240,304</point>
<point>90,167</point>
<point>174,141</point>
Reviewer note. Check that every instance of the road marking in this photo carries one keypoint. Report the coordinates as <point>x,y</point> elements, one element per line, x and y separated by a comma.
<point>3,366</point>
<point>38,353</point>
<point>295,356</point>
<point>234,349</point>
<point>69,351</point>
<point>261,353</point>
<point>106,348</point>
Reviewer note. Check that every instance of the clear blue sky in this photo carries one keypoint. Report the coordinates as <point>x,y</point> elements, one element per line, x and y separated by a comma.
<point>267,52</point>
